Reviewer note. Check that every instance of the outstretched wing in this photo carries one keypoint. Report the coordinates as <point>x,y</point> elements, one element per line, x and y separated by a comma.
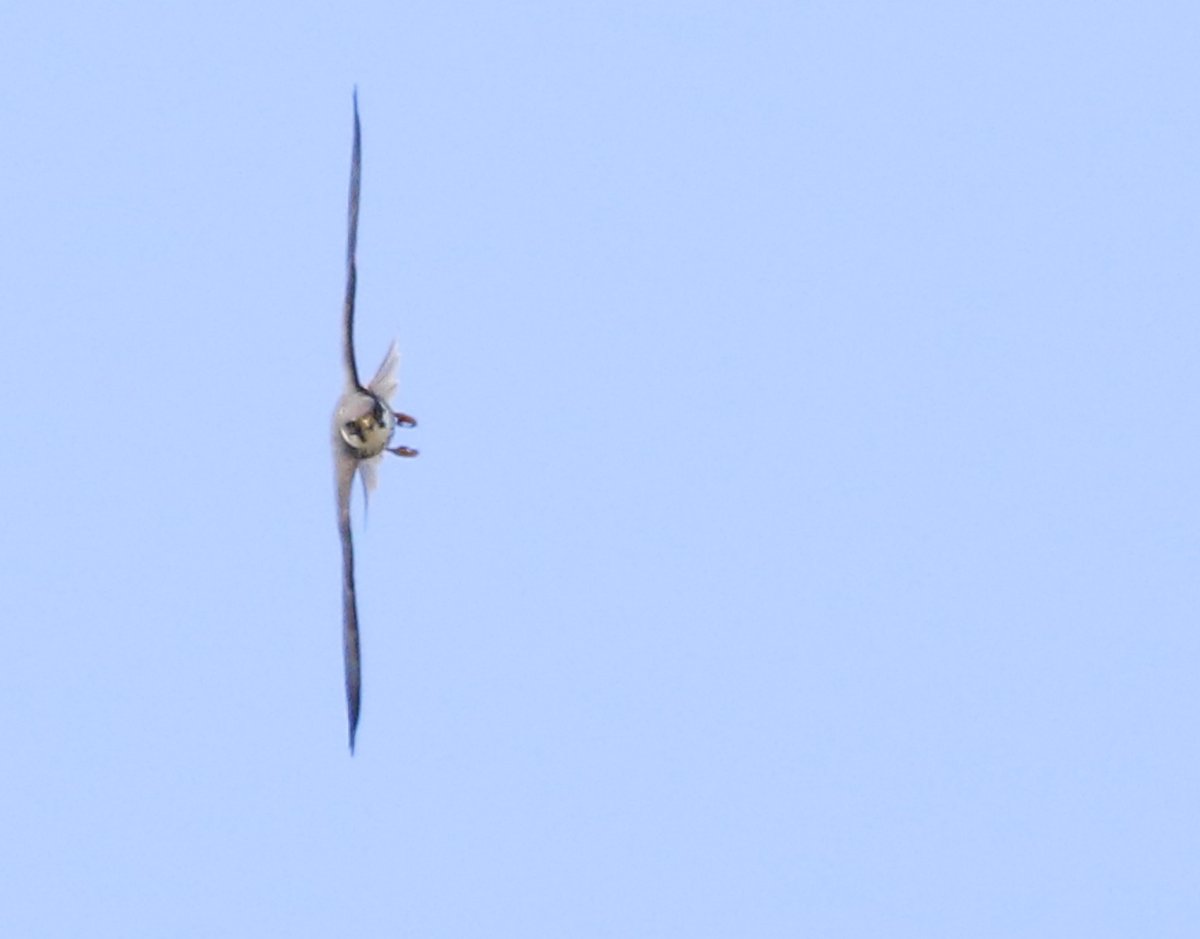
<point>351,247</point>
<point>344,465</point>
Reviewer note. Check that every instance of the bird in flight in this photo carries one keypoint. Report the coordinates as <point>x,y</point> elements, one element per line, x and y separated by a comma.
<point>363,424</point>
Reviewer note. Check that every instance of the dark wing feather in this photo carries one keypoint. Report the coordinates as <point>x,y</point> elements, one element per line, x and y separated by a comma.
<point>351,247</point>
<point>345,478</point>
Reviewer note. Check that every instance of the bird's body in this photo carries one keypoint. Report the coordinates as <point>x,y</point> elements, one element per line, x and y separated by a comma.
<point>363,424</point>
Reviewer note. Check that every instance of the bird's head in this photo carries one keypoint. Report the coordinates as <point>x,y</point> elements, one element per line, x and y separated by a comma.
<point>366,424</point>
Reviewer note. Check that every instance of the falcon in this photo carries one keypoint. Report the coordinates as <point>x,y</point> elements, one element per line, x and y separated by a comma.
<point>363,424</point>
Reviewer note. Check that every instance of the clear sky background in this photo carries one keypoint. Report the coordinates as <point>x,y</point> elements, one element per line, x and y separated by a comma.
<point>804,538</point>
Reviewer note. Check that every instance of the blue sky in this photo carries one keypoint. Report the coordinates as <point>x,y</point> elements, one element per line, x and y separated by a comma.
<point>804,538</point>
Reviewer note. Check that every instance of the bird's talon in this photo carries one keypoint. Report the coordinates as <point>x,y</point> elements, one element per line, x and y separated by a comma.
<point>402,451</point>
<point>404,420</point>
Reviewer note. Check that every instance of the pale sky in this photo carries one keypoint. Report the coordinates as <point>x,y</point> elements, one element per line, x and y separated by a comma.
<point>804,538</point>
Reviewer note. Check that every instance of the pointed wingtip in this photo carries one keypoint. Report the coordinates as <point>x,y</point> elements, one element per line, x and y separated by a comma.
<point>353,723</point>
